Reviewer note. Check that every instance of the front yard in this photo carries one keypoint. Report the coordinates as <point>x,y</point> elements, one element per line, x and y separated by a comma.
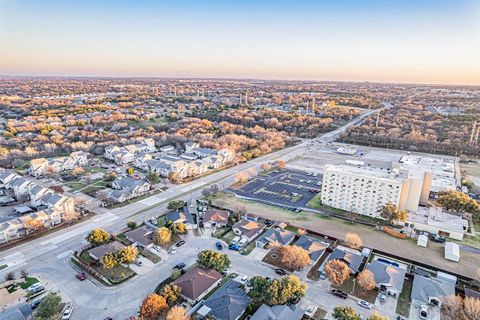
<point>403,304</point>
<point>116,275</point>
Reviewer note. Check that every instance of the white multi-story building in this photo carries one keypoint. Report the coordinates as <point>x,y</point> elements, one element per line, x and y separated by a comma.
<point>365,189</point>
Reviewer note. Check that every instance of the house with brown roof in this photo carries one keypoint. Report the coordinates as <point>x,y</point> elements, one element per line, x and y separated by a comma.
<point>141,237</point>
<point>215,218</point>
<point>97,253</point>
<point>248,229</point>
<point>197,282</point>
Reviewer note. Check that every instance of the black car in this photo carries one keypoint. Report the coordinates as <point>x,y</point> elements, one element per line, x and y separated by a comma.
<point>436,238</point>
<point>280,271</point>
<point>180,243</point>
<point>339,293</point>
<point>179,266</point>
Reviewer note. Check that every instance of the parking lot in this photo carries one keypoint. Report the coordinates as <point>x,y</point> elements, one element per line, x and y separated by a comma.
<point>290,188</point>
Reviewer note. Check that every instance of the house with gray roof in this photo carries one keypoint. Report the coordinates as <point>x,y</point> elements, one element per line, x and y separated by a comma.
<point>431,290</point>
<point>388,277</point>
<point>314,247</point>
<point>141,237</point>
<point>227,303</point>
<point>97,253</point>
<point>181,216</point>
<point>19,187</point>
<point>20,312</point>
<point>277,312</point>
<point>352,258</point>
<point>275,235</point>
<point>128,188</point>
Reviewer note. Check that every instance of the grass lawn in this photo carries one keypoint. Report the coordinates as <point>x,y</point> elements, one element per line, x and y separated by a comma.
<point>316,202</point>
<point>369,295</point>
<point>226,234</point>
<point>29,281</point>
<point>75,185</point>
<point>273,258</point>
<point>403,304</point>
<point>150,256</point>
<point>248,248</point>
<point>347,286</point>
<point>314,274</point>
<point>115,275</point>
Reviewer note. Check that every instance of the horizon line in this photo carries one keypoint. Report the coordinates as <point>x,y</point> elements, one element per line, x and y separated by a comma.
<point>233,78</point>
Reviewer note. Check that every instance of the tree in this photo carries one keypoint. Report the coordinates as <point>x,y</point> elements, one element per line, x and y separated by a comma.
<point>109,261</point>
<point>163,236</point>
<point>265,166</point>
<point>127,254</point>
<point>471,308</point>
<point>171,292</point>
<point>153,177</point>
<point>366,280</point>
<point>376,316</point>
<point>276,291</point>
<point>281,164</point>
<point>458,202</point>
<point>98,236</point>
<point>353,240</point>
<point>78,171</point>
<point>48,308</point>
<point>391,213</point>
<point>176,205</point>
<point>152,307</point>
<point>213,259</point>
<point>337,271</point>
<point>10,276</point>
<point>130,171</point>
<point>345,313</point>
<point>178,228</point>
<point>177,313</point>
<point>452,306</point>
<point>241,177</point>
<point>131,224</point>
<point>294,257</point>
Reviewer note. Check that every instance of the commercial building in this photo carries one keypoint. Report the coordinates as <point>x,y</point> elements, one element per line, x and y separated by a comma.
<point>365,189</point>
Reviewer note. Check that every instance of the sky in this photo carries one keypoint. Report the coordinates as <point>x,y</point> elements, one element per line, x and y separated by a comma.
<point>427,41</point>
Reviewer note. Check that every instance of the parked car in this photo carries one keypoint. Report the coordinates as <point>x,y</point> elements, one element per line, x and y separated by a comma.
<point>180,243</point>
<point>219,245</point>
<point>173,250</point>
<point>244,279</point>
<point>81,276</point>
<point>383,297</point>
<point>179,266</point>
<point>339,293</point>
<point>35,288</point>
<point>365,304</point>
<point>235,247</point>
<point>310,311</point>
<point>423,312</point>
<point>315,174</point>
<point>67,311</point>
<point>36,302</point>
<point>436,238</point>
<point>235,240</point>
<point>323,275</point>
<point>268,222</point>
<point>138,262</point>
<point>280,271</point>
<point>242,242</point>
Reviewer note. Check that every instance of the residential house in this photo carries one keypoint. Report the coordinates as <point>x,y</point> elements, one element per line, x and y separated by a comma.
<point>196,167</point>
<point>248,229</point>
<point>11,230</point>
<point>227,303</point>
<point>167,148</point>
<point>97,253</point>
<point>126,154</point>
<point>140,161</point>
<point>19,187</point>
<point>189,146</point>
<point>39,166</point>
<point>352,258</point>
<point>204,152</point>
<point>215,218</point>
<point>161,168</point>
<point>275,235</point>
<point>197,282</point>
<point>141,237</point>
<point>189,156</point>
<point>6,177</point>
<point>314,247</point>
<point>128,188</point>
<point>277,312</point>
<point>177,165</point>
<point>181,216</point>
<point>22,311</point>
<point>58,202</point>
<point>36,192</point>
<point>388,277</point>
<point>431,290</point>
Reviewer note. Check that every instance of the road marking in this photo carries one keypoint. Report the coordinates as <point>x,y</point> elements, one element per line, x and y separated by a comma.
<point>64,254</point>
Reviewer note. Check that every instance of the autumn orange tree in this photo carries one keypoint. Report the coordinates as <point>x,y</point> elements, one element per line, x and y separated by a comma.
<point>163,235</point>
<point>177,313</point>
<point>365,280</point>
<point>98,236</point>
<point>152,307</point>
<point>294,257</point>
<point>353,240</point>
<point>337,271</point>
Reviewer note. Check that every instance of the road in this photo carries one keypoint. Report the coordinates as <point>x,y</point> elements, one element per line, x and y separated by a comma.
<point>48,257</point>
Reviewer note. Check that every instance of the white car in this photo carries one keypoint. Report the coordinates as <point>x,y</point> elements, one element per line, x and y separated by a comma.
<point>34,287</point>
<point>67,311</point>
<point>242,242</point>
<point>244,279</point>
<point>235,240</point>
<point>315,174</point>
<point>173,250</point>
<point>364,304</point>
<point>423,312</point>
<point>310,312</point>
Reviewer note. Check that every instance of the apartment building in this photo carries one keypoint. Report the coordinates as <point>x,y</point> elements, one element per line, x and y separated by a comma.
<point>365,189</point>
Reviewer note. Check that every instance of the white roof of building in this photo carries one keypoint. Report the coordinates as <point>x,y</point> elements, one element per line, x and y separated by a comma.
<point>370,172</point>
<point>438,218</point>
